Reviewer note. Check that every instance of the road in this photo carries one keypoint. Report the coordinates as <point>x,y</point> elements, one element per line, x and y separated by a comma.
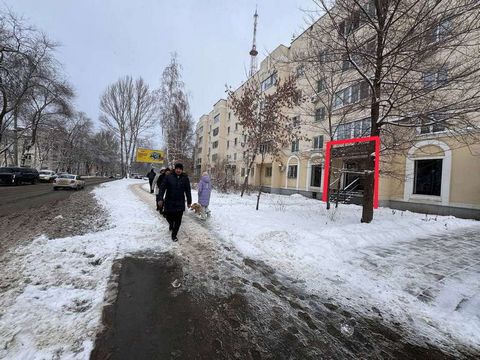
<point>17,198</point>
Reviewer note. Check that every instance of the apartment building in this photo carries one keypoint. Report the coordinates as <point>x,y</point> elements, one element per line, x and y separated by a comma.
<point>434,172</point>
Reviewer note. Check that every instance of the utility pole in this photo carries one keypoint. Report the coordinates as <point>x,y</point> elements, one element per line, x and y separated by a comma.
<point>15,137</point>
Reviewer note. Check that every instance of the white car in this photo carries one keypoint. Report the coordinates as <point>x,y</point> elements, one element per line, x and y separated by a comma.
<point>47,175</point>
<point>68,181</point>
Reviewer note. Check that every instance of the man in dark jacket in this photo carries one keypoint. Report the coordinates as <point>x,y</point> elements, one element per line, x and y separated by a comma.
<point>176,186</point>
<point>151,176</point>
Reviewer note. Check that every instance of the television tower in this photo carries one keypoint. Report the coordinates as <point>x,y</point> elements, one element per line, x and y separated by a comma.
<point>254,52</point>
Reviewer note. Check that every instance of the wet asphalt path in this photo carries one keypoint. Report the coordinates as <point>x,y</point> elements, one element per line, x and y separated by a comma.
<point>17,198</point>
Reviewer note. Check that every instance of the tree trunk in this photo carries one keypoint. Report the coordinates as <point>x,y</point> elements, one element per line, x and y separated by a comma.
<point>368,191</point>
<point>328,185</point>
<point>260,187</point>
<point>121,155</point>
<point>245,181</point>
<point>15,139</point>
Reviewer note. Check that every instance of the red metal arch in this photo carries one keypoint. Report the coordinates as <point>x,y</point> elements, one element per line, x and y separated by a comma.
<point>330,144</point>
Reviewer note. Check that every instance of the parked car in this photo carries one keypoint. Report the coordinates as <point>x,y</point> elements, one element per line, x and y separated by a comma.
<point>68,181</point>
<point>47,175</point>
<point>18,175</point>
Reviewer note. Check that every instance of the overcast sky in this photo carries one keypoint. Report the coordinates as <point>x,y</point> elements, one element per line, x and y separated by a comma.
<point>102,40</point>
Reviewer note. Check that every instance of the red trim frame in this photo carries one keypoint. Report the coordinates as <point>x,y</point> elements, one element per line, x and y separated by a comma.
<point>350,141</point>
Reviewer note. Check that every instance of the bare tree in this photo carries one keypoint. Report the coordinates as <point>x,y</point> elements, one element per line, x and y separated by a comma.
<point>175,117</point>
<point>128,109</point>
<point>267,127</point>
<point>51,97</point>
<point>26,61</point>
<point>105,148</point>
<point>419,60</point>
<point>75,146</point>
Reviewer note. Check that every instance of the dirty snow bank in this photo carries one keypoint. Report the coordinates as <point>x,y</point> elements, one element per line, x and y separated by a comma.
<point>56,310</point>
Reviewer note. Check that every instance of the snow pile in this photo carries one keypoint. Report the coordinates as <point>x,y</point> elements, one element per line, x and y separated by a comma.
<point>64,280</point>
<point>381,265</point>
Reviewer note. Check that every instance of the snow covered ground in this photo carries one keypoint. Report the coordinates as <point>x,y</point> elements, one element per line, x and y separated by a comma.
<point>56,310</point>
<point>415,269</point>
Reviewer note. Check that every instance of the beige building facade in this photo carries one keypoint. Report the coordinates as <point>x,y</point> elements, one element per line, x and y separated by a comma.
<point>437,174</point>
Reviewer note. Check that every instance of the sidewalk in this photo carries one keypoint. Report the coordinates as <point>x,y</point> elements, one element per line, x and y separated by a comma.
<point>229,306</point>
<point>441,272</point>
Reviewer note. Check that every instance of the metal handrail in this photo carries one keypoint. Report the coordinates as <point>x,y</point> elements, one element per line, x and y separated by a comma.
<point>349,185</point>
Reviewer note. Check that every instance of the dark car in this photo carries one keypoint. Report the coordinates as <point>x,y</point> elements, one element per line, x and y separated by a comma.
<point>18,175</point>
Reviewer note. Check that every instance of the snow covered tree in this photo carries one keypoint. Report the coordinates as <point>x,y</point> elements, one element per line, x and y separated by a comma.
<point>175,117</point>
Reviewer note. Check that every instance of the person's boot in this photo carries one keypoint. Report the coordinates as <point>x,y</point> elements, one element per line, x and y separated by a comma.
<point>174,237</point>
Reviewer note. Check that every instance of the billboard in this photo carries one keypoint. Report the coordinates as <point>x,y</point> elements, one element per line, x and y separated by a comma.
<point>149,156</point>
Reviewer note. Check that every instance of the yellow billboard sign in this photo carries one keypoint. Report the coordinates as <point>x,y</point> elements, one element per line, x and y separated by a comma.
<point>149,156</point>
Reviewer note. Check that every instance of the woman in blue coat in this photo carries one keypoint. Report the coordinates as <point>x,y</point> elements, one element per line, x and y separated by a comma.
<point>204,190</point>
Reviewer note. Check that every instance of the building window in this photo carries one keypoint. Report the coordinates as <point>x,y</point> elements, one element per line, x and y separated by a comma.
<point>242,172</point>
<point>264,148</point>
<point>214,157</point>
<point>432,124</point>
<point>215,131</point>
<point>321,85</point>
<point>229,116</point>
<point>295,146</point>
<point>338,99</point>
<point>320,114</point>
<point>235,141</point>
<point>268,171</point>
<point>269,82</point>
<point>235,156</point>
<point>361,128</point>
<point>292,171</point>
<point>216,119</point>
<point>344,131</point>
<point>228,144</point>
<point>215,145</point>
<point>200,139</point>
<point>300,71</point>
<point>428,177</point>
<point>199,150</point>
<point>440,31</point>
<point>296,121</point>
<point>252,172</point>
<point>316,178</point>
<point>436,78</point>
<point>351,94</point>
<point>322,57</point>
<point>228,130</point>
<point>318,142</point>
<point>349,25</point>
<point>346,64</point>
